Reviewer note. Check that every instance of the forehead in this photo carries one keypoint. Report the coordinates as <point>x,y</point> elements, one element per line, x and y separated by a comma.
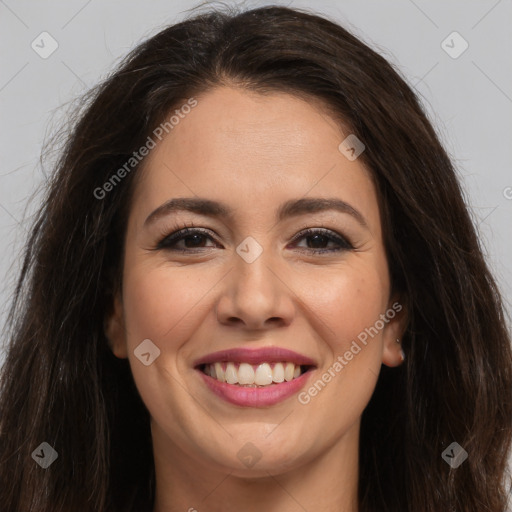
<point>251,151</point>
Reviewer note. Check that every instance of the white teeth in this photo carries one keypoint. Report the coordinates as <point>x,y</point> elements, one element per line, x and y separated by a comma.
<point>219,372</point>
<point>263,375</point>
<point>288,372</point>
<point>231,374</point>
<point>278,373</point>
<point>245,374</point>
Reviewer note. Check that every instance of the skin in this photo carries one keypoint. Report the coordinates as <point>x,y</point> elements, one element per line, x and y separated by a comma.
<point>253,152</point>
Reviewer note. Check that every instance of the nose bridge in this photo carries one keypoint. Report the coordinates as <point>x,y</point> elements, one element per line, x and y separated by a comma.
<point>254,294</point>
<point>253,277</point>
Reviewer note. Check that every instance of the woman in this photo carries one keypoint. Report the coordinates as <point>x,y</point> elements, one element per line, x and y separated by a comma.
<point>254,284</point>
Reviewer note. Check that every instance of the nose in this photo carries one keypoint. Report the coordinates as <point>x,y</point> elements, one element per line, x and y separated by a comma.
<point>256,296</point>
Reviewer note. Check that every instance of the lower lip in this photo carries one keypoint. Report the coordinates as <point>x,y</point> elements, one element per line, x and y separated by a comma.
<point>255,397</point>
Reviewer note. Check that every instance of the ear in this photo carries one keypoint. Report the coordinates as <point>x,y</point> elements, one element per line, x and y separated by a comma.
<point>392,354</point>
<point>115,329</point>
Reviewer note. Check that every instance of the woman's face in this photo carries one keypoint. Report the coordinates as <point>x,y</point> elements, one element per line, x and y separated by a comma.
<point>249,283</point>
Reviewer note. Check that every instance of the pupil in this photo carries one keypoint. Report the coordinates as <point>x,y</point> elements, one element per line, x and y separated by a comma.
<point>197,240</point>
<point>316,239</point>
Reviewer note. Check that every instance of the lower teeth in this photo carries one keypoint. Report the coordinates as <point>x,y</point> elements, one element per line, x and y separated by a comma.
<point>255,385</point>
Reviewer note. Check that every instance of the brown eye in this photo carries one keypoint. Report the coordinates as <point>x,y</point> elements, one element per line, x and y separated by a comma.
<point>317,239</point>
<point>191,238</point>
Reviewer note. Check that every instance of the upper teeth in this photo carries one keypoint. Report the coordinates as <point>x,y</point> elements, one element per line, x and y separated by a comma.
<point>246,374</point>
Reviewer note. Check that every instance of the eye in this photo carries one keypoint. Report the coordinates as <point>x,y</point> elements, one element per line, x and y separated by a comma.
<point>190,237</point>
<point>319,237</point>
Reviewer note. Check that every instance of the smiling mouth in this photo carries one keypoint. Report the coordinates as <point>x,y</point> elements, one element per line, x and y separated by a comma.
<point>254,375</point>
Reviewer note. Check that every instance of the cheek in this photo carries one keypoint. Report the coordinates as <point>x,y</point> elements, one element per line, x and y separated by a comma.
<point>163,305</point>
<point>160,303</point>
<point>349,301</point>
<point>351,306</point>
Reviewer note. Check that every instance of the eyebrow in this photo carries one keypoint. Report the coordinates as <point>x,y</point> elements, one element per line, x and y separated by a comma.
<point>291,208</point>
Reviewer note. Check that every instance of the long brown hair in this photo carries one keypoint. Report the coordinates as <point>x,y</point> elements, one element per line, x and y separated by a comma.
<point>62,385</point>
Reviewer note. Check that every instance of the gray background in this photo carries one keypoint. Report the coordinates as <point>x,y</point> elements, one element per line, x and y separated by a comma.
<point>469,98</point>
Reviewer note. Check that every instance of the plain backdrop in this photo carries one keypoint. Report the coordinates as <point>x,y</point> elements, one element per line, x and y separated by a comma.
<point>468,96</point>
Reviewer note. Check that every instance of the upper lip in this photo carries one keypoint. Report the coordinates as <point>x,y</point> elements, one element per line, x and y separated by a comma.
<point>256,356</point>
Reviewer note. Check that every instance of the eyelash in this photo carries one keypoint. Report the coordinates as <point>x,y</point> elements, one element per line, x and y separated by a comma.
<point>182,231</point>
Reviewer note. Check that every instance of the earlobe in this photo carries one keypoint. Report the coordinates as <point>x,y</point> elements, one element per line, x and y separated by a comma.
<point>393,354</point>
<point>115,331</point>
